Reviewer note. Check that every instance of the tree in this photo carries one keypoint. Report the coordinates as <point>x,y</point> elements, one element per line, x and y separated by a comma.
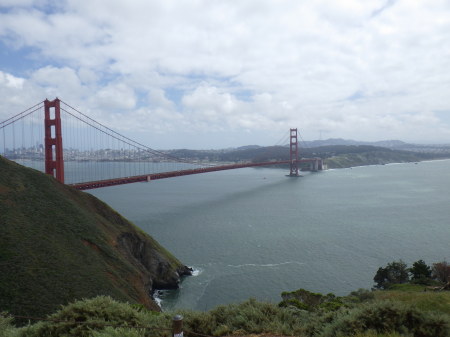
<point>421,272</point>
<point>394,273</point>
<point>441,271</point>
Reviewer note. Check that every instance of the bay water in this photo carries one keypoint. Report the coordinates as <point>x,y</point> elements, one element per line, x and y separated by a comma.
<point>256,232</point>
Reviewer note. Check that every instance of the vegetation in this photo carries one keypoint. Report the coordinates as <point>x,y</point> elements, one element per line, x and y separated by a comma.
<point>403,310</point>
<point>58,245</point>
<point>441,271</point>
<point>306,300</point>
<point>394,273</point>
<point>363,313</point>
<point>397,272</point>
<point>420,272</point>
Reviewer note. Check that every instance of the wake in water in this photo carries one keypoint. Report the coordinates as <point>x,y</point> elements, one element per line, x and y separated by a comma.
<point>266,265</point>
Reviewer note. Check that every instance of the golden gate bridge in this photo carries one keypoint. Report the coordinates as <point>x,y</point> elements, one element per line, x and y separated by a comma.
<point>97,156</point>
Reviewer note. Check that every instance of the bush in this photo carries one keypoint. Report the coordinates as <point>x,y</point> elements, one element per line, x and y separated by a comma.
<point>6,327</point>
<point>249,317</point>
<point>361,295</point>
<point>87,316</point>
<point>306,300</point>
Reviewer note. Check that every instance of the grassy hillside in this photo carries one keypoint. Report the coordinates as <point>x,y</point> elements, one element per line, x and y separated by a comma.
<point>58,245</point>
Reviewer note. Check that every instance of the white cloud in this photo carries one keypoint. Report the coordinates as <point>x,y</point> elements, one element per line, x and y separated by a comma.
<point>360,69</point>
<point>115,96</point>
<point>10,81</point>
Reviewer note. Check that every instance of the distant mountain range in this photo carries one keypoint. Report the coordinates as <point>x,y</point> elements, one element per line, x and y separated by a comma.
<point>391,144</point>
<point>336,152</point>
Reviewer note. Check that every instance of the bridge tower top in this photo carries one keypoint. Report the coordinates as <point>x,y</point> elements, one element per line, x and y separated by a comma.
<point>293,153</point>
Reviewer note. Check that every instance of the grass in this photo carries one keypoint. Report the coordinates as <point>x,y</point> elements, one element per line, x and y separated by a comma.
<point>425,301</point>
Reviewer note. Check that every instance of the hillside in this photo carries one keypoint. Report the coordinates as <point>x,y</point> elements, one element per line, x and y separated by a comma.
<point>58,245</point>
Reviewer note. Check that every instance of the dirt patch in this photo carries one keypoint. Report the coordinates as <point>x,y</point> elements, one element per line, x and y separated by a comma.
<point>4,189</point>
<point>91,245</point>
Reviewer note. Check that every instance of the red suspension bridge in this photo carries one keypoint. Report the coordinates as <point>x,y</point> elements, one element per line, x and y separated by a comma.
<point>96,156</point>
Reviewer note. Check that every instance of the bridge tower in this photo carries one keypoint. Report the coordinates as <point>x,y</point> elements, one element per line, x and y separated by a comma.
<point>294,153</point>
<point>54,162</point>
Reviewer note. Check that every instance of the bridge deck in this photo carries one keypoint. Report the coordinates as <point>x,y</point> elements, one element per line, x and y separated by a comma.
<point>171,174</point>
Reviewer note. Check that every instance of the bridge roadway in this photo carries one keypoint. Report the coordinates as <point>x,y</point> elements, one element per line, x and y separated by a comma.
<point>171,174</point>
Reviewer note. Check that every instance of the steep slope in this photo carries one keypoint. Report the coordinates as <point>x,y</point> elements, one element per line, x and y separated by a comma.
<point>58,245</point>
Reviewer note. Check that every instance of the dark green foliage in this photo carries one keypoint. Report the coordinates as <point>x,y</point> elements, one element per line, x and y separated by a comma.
<point>293,302</point>
<point>306,300</point>
<point>420,272</point>
<point>395,272</point>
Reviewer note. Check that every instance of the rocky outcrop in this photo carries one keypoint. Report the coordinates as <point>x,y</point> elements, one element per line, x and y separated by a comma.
<point>160,271</point>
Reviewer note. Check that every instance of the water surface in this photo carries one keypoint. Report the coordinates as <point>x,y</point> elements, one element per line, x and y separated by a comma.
<point>255,232</point>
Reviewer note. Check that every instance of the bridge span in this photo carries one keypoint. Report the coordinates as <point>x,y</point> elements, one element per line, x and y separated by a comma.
<point>316,165</point>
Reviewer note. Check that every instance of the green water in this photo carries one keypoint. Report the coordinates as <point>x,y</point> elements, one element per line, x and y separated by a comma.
<point>256,232</point>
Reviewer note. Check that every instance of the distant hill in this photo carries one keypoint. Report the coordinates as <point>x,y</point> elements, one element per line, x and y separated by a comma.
<point>58,245</point>
<point>335,156</point>
<point>339,141</point>
<point>390,144</point>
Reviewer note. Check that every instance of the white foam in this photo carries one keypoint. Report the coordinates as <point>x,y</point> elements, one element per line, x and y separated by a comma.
<point>196,271</point>
<point>157,296</point>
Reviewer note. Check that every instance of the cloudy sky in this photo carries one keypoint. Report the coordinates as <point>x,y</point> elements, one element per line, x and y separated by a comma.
<point>222,73</point>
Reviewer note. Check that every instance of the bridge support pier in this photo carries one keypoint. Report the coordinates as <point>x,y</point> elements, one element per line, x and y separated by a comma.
<point>54,162</point>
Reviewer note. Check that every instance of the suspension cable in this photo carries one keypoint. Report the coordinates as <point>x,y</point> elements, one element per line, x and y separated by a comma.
<point>129,141</point>
<point>20,113</point>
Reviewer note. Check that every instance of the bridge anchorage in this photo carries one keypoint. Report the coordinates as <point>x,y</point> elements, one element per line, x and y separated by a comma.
<point>126,155</point>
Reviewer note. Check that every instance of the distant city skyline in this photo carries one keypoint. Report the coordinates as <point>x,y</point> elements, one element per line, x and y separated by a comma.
<point>215,74</point>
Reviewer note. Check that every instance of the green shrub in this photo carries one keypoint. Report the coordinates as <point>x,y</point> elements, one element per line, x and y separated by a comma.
<point>306,300</point>
<point>87,316</point>
<point>293,302</point>
<point>119,332</point>
<point>6,327</point>
<point>361,295</point>
<point>249,317</point>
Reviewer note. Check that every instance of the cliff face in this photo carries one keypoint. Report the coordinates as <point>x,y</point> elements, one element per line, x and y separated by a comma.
<point>58,245</point>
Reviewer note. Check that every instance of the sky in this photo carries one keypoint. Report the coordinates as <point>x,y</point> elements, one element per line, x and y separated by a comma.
<point>208,74</point>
